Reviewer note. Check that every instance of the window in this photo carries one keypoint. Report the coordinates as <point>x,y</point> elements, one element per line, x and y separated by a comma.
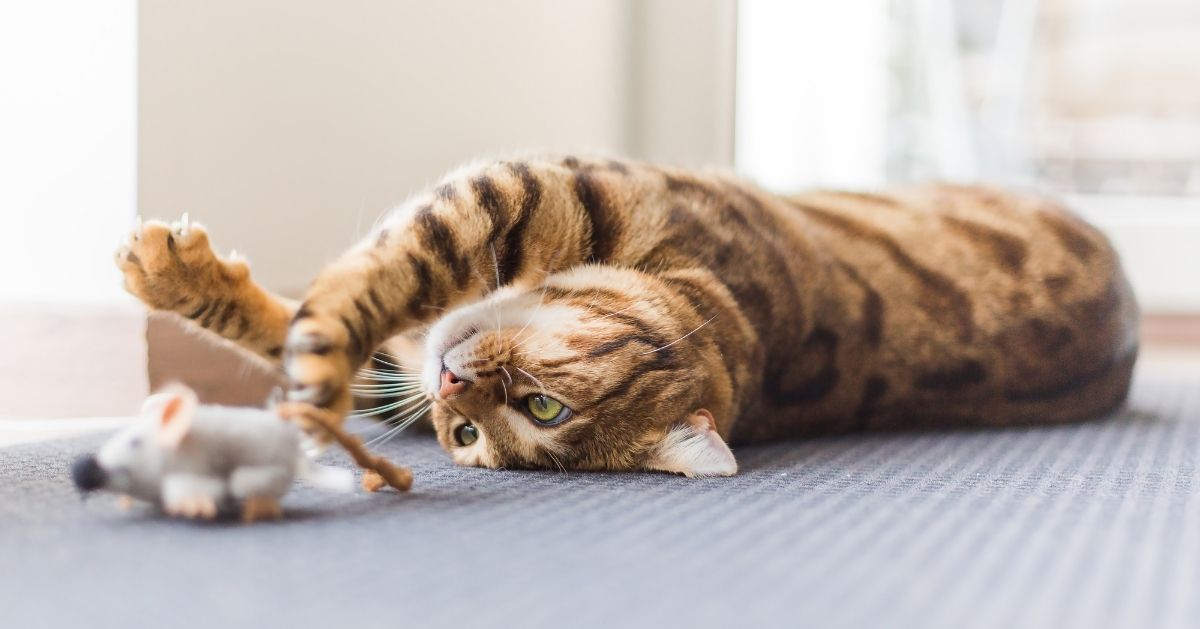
<point>68,101</point>
<point>1095,102</point>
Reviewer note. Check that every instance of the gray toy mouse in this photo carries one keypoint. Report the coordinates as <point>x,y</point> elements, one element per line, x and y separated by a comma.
<point>195,460</point>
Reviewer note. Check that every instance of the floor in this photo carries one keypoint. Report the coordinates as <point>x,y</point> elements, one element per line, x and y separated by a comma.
<point>1093,525</point>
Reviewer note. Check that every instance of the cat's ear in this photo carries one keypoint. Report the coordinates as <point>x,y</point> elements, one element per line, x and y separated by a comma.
<point>171,410</point>
<point>693,448</point>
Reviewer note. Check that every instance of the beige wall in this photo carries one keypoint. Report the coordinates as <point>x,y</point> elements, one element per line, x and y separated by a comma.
<point>288,126</point>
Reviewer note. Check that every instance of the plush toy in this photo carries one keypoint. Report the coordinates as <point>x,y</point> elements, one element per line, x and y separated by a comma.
<point>195,461</point>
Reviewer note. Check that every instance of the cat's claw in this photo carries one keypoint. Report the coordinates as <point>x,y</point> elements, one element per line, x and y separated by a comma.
<point>165,264</point>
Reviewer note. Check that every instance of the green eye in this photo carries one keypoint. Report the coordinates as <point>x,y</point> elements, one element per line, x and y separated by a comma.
<point>546,410</point>
<point>466,434</point>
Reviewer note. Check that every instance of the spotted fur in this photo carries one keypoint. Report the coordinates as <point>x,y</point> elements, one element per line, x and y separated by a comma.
<point>674,311</point>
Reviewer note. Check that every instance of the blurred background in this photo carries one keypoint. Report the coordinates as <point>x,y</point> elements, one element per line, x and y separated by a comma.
<point>287,127</point>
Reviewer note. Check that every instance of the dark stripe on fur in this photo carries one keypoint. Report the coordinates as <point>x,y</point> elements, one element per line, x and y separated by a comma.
<point>446,192</point>
<point>512,253</point>
<point>199,311</point>
<point>618,167</point>
<point>303,312</point>
<point>682,184</point>
<point>424,278</point>
<point>241,325</point>
<point>355,346</point>
<point>381,309</point>
<point>940,298</point>
<point>658,361</point>
<point>621,342</point>
<point>439,240</point>
<point>488,197</point>
<point>1007,251</point>
<point>968,373</point>
<point>606,230</point>
<point>206,320</point>
<point>365,315</point>
<point>806,376</point>
<point>1069,233</point>
<point>872,306</point>
<point>223,319</point>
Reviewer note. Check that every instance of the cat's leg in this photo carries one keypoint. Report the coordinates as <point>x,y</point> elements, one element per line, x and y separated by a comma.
<point>173,268</point>
<point>504,224</point>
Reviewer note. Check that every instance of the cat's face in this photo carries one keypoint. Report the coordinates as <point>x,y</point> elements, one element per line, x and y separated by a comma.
<point>569,375</point>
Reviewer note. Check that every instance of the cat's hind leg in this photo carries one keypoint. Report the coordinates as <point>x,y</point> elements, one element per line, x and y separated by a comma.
<point>173,268</point>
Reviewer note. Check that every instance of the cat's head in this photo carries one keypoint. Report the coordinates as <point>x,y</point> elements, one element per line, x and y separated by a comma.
<point>590,371</point>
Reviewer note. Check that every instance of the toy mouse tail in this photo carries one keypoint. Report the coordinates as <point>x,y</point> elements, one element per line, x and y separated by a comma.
<point>327,478</point>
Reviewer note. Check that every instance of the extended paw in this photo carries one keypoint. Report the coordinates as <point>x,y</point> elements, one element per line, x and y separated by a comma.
<point>173,267</point>
<point>193,508</point>
<point>317,365</point>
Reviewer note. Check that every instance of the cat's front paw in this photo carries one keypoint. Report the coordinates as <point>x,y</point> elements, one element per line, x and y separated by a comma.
<point>173,267</point>
<point>317,364</point>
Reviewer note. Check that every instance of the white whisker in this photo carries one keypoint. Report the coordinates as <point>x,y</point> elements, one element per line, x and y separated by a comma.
<point>379,396</point>
<point>388,385</point>
<point>496,302</point>
<point>408,418</point>
<point>385,372</point>
<point>504,386</point>
<point>376,358</point>
<point>538,382</point>
<point>532,316</point>
<point>367,412</point>
<point>557,462</point>
<point>680,338</point>
<point>495,263</point>
<point>389,376</point>
<point>615,313</point>
<point>384,390</point>
<point>375,384</point>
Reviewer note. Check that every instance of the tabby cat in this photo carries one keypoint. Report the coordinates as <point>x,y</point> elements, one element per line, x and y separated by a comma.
<point>607,315</point>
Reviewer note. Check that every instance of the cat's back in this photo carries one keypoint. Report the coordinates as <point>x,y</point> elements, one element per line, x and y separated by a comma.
<point>970,305</point>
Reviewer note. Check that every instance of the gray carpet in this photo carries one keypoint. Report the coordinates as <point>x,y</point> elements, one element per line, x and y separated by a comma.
<point>1091,525</point>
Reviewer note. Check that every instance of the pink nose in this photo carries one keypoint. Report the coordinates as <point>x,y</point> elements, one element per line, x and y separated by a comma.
<point>451,384</point>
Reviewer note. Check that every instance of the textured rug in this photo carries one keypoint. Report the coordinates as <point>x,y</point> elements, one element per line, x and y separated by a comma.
<point>1090,525</point>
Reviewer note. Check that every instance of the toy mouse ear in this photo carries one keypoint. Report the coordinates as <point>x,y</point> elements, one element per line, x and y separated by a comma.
<point>172,408</point>
<point>693,448</point>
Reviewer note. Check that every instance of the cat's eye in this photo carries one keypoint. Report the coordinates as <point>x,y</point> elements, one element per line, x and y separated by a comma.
<point>466,434</point>
<point>545,409</point>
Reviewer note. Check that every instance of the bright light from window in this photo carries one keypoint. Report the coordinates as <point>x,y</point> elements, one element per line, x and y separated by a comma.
<point>811,92</point>
<point>67,146</point>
